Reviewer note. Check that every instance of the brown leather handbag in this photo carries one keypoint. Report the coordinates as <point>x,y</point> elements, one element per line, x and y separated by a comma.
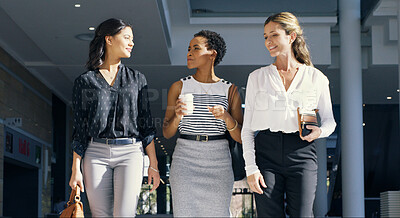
<point>307,118</point>
<point>74,205</point>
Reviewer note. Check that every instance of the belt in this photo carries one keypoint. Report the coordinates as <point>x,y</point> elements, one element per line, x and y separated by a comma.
<point>280,132</point>
<point>202,138</point>
<point>121,141</point>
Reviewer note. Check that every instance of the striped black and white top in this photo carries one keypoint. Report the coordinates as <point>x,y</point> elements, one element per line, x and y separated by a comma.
<point>202,122</point>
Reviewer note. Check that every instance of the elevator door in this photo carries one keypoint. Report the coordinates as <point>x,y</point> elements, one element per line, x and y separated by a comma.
<point>20,196</point>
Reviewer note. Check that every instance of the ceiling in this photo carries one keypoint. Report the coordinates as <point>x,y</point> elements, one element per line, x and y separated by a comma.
<point>43,36</point>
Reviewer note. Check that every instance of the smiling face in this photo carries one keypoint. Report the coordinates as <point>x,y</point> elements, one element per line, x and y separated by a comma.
<point>276,40</point>
<point>120,45</point>
<point>198,55</point>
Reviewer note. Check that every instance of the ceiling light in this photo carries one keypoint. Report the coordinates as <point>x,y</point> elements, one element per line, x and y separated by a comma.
<point>92,28</point>
<point>398,90</point>
<point>363,105</point>
<point>389,97</point>
<point>77,5</point>
<point>85,36</point>
<point>363,124</point>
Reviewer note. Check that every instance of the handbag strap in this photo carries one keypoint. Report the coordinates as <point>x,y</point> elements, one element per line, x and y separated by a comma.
<point>75,196</point>
<point>231,92</point>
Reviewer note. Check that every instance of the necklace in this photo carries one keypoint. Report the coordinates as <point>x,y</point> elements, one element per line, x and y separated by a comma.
<point>283,77</point>
<point>206,91</point>
<point>200,83</point>
<point>106,74</point>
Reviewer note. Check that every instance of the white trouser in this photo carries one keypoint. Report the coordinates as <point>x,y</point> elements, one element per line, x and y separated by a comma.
<point>113,178</point>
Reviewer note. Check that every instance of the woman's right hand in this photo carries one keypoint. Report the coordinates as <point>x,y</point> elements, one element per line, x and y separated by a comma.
<point>179,107</point>
<point>254,181</point>
<point>76,179</point>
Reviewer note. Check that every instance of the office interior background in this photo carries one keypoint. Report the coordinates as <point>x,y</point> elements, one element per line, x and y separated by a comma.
<point>44,47</point>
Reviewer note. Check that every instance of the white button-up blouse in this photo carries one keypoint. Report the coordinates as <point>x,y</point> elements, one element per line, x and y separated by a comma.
<point>269,106</point>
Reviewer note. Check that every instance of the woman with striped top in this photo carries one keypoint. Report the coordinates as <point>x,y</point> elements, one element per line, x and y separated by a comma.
<point>201,167</point>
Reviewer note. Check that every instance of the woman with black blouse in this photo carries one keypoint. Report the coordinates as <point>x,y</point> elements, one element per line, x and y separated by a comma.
<point>112,125</point>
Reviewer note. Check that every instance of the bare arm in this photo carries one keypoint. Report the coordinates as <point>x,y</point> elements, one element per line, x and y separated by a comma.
<point>153,173</point>
<point>173,114</point>
<point>76,175</point>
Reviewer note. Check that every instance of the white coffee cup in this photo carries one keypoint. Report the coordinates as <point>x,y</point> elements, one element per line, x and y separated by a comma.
<point>188,100</point>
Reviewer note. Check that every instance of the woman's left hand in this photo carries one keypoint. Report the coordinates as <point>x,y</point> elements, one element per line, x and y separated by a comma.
<point>219,112</point>
<point>315,133</point>
<point>153,177</point>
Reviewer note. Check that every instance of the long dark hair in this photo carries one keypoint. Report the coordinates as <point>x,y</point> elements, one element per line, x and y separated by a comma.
<point>290,24</point>
<point>97,47</point>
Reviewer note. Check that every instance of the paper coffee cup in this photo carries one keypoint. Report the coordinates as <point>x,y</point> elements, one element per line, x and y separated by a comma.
<point>188,100</point>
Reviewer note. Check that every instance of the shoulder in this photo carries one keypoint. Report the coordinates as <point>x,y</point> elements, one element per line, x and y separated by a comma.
<point>133,72</point>
<point>179,84</point>
<point>175,90</point>
<point>316,74</point>
<point>227,84</point>
<point>85,77</point>
<point>135,76</point>
<point>262,71</point>
<point>186,78</point>
<point>176,86</point>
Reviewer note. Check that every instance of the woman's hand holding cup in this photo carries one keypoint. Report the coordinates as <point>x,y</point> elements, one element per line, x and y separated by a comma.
<point>179,107</point>
<point>184,105</point>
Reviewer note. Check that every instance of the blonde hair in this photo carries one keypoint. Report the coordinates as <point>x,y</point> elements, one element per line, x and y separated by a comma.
<point>290,24</point>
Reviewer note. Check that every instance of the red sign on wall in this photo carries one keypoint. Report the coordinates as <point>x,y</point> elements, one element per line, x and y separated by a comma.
<point>23,147</point>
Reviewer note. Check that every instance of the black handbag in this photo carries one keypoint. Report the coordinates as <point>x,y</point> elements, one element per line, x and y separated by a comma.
<point>238,164</point>
<point>235,147</point>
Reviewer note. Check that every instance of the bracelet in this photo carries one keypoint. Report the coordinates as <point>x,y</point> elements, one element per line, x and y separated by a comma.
<point>154,169</point>
<point>236,124</point>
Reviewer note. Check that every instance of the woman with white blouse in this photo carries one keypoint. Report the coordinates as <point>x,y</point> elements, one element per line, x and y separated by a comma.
<point>278,159</point>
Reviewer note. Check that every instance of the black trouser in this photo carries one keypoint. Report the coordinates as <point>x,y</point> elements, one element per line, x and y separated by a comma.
<point>288,165</point>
